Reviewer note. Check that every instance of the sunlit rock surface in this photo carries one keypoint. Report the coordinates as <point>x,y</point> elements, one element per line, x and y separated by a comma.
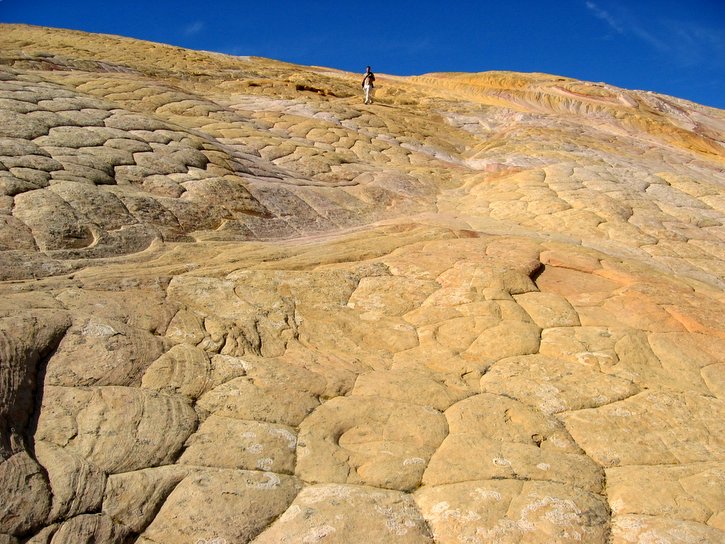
<point>238,305</point>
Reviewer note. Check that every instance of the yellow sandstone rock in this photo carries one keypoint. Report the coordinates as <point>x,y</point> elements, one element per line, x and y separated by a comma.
<point>239,305</point>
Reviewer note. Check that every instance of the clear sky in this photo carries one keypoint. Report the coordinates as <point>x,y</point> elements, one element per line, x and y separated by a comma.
<point>675,47</point>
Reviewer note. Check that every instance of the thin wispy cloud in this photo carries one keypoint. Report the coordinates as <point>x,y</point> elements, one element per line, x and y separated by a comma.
<point>626,24</point>
<point>649,38</point>
<point>685,43</point>
<point>604,15</point>
<point>697,43</point>
<point>194,28</point>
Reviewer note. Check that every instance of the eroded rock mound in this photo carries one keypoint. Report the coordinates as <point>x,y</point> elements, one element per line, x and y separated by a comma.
<point>238,305</point>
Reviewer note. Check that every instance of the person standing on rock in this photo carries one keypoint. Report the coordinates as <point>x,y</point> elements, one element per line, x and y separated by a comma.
<point>368,85</point>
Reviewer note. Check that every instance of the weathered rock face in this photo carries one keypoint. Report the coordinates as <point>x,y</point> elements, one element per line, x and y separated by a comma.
<point>237,305</point>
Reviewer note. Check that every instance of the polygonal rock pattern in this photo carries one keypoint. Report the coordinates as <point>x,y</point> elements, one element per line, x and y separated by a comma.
<point>348,513</point>
<point>239,305</point>
<point>134,498</point>
<point>119,354</point>
<point>184,369</point>
<point>667,430</point>
<point>25,339</point>
<point>551,385</point>
<point>226,504</point>
<point>686,492</point>
<point>84,528</point>
<point>116,428</point>
<point>77,485</point>
<point>250,445</point>
<point>368,440</point>
<point>26,494</point>
<point>631,529</point>
<point>511,511</point>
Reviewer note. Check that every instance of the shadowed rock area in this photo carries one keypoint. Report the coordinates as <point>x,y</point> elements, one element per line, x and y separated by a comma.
<point>239,305</point>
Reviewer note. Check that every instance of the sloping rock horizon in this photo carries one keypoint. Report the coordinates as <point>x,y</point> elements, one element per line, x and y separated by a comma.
<point>239,305</point>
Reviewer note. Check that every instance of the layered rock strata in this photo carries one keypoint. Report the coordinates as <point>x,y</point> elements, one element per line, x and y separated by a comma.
<point>238,305</point>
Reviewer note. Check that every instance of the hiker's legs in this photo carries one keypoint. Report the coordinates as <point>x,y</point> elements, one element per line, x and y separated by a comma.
<point>368,94</point>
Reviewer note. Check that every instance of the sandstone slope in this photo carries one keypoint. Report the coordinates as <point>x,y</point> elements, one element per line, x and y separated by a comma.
<point>238,305</point>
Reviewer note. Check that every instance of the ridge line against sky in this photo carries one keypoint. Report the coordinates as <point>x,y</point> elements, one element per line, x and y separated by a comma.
<point>672,47</point>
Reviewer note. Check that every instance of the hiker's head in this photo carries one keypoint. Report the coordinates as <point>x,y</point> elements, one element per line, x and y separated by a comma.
<point>367,69</point>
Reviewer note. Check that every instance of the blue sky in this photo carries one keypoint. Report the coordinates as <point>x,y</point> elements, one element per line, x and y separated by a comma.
<point>674,47</point>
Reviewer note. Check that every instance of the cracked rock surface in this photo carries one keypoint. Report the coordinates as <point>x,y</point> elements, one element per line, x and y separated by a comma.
<point>238,305</point>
